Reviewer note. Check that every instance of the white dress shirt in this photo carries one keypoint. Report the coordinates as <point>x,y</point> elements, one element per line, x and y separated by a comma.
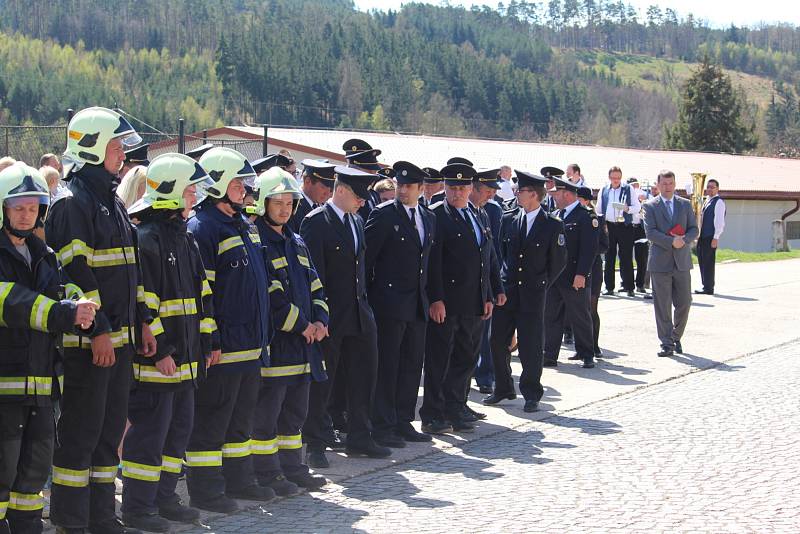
<point>418,220</point>
<point>529,218</point>
<point>506,191</point>
<point>341,215</point>
<point>569,209</point>
<point>719,215</point>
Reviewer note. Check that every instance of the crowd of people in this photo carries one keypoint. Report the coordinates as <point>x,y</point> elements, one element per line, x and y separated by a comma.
<point>206,316</point>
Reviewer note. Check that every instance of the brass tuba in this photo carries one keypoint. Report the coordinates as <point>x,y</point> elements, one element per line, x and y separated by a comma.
<point>698,190</point>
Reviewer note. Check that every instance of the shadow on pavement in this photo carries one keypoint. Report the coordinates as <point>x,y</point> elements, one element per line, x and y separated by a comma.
<point>738,299</point>
<point>601,372</point>
<point>392,486</point>
<point>595,427</point>
<point>704,363</point>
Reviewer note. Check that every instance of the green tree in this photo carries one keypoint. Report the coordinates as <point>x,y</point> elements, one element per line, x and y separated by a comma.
<point>710,116</point>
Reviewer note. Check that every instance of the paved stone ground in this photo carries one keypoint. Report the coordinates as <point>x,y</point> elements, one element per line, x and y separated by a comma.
<point>715,451</point>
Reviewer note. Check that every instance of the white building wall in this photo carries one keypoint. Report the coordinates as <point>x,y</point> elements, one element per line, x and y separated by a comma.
<point>748,224</point>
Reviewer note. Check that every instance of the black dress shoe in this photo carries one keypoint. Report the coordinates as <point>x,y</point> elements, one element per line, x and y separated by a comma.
<point>703,292</point>
<point>678,347</point>
<point>496,399</point>
<point>436,426</point>
<point>608,292</point>
<point>648,296</point>
<point>390,440</point>
<point>370,449</point>
<point>410,434</point>
<point>575,356</point>
<point>317,459</point>
<point>470,415</point>
<point>146,522</point>
<point>666,353</point>
<point>550,363</point>
<point>588,363</point>
<point>531,406</point>
<point>631,293</point>
<point>459,425</point>
<point>640,290</point>
<point>485,390</point>
<point>598,353</point>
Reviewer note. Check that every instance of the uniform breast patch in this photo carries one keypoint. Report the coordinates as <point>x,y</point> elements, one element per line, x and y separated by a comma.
<point>595,223</point>
<point>561,240</point>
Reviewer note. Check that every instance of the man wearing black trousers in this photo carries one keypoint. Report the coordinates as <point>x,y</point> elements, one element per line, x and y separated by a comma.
<point>533,254</point>
<point>585,196</point>
<point>712,223</point>
<point>461,292</point>
<point>568,299</point>
<point>334,234</point>
<point>399,236</point>
<point>616,203</point>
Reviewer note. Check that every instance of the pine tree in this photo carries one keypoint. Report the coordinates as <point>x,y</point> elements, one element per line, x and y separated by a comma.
<point>710,115</point>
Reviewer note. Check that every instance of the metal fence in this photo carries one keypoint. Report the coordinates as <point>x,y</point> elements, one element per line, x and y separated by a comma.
<point>29,143</point>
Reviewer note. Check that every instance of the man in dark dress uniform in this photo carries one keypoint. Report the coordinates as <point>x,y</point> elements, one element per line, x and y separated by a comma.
<point>568,299</point>
<point>533,254</point>
<point>462,294</point>
<point>334,234</point>
<point>399,236</point>
<point>432,188</point>
<point>484,188</point>
<point>317,188</point>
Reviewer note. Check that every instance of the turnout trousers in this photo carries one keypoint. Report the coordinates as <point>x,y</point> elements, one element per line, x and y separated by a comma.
<point>94,408</point>
<point>154,446</point>
<point>218,455</point>
<point>277,443</point>
<point>26,449</point>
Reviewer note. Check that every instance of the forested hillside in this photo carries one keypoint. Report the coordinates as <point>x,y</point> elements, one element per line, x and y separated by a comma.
<point>588,72</point>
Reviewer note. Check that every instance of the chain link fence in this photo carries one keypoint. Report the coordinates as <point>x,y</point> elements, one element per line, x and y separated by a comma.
<point>29,143</point>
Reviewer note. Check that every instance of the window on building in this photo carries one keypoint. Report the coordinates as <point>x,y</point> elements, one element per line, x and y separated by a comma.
<point>792,229</point>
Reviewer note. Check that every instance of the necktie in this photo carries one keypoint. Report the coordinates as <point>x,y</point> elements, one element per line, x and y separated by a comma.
<point>349,231</point>
<point>466,215</point>
<point>562,214</point>
<point>413,214</point>
<point>669,208</point>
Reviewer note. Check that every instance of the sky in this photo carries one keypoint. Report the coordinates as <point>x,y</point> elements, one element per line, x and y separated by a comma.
<point>718,13</point>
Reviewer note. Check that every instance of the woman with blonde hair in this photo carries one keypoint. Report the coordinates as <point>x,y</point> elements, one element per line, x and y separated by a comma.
<point>132,186</point>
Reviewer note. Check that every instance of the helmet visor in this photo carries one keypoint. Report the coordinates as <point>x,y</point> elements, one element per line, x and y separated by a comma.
<point>22,200</point>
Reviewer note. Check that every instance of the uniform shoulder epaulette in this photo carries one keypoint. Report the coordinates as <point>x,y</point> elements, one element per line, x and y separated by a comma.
<point>384,204</point>
<point>554,216</point>
<point>436,205</point>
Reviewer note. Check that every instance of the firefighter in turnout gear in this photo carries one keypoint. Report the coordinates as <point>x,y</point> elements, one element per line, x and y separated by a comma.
<point>33,307</point>
<point>90,231</point>
<point>218,455</point>
<point>161,404</point>
<point>300,315</point>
